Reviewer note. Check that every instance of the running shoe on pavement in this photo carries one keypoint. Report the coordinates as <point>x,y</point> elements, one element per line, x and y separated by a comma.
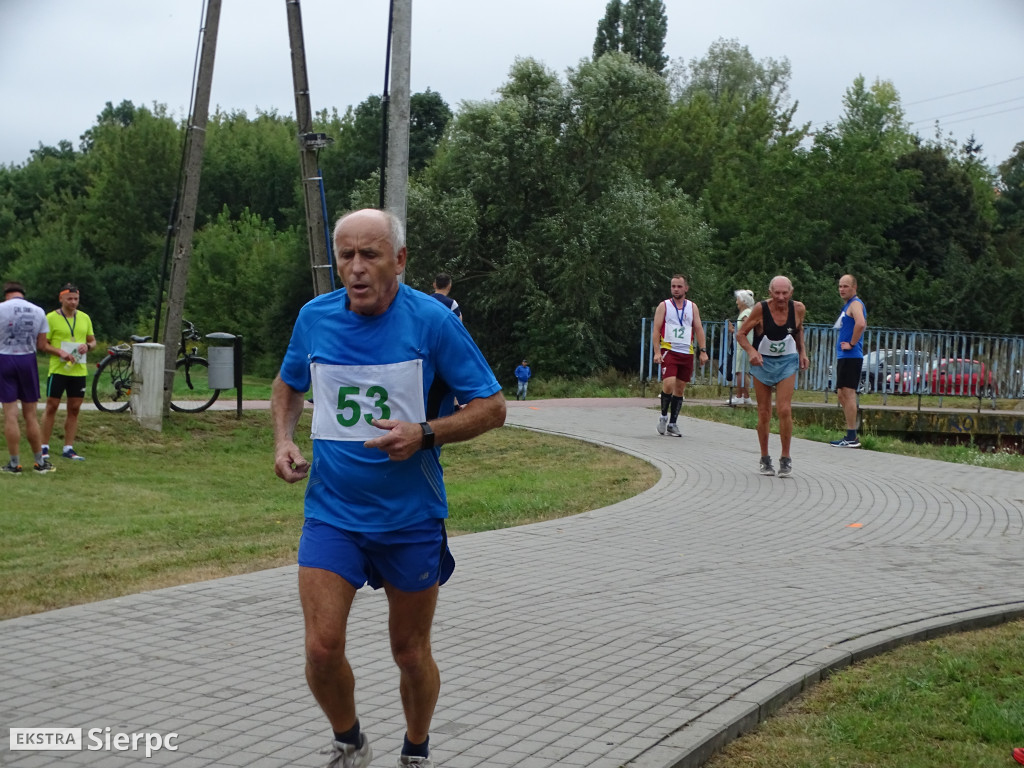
<point>662,424</point>
<point>673,430</point>
<point>766,467</point>
<point>348,756</point>
<point>419,762</point>
<point>785,466</point>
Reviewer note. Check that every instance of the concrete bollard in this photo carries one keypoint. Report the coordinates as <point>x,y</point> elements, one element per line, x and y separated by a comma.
<point>147,398</point>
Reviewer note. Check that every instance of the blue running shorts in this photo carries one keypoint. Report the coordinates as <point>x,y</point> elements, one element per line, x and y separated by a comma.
<point>411,559</point>
<point>775,369</point>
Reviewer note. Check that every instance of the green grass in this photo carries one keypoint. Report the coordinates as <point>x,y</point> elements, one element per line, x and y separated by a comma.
<point>200,500</point>
<point>954,702</point>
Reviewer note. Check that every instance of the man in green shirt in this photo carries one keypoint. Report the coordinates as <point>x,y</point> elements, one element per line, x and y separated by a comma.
<point>69,340</point>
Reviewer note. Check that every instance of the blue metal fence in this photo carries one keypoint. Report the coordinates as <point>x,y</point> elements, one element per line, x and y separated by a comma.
<point>896,362</point>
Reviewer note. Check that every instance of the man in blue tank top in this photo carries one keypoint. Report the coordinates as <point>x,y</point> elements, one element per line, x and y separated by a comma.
<point>851,323</point>
<point>386,362</point>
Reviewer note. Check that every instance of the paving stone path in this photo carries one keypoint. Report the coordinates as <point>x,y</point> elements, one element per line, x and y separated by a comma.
<point>643,634</point>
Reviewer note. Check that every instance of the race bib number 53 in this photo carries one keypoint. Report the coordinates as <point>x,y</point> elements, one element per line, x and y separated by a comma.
<point>346,398</point>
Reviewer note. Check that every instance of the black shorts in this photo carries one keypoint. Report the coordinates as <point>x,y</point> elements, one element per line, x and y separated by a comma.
<point>73,386</point>
<point>848,372</point>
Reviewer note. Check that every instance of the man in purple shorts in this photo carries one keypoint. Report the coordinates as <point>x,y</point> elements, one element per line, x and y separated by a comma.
<point>23,330</point>
<point>386,363</point>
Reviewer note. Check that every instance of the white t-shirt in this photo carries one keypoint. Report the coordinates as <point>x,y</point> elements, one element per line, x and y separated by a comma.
<point>21,322</point>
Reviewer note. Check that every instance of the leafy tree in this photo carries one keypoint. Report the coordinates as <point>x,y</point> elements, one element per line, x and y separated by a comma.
<point>873,117</point>
<point>356,151</point>
<point>565,219</point>
<point>729,71</point>
<point>637,28</point>
<point>609,30</point>
<point>251,164</point>
<point>246,277</point>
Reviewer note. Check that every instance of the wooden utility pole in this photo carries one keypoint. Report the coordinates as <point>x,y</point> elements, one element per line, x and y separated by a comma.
<point>184,228</point>
<point>309,146</point>
<point>396,192</point>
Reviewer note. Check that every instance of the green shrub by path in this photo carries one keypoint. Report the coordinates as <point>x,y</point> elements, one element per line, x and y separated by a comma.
<point>200,500</point>
<point>954,702</point>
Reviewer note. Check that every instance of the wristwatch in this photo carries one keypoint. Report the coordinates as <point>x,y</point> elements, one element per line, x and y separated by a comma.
<point>428,437</point>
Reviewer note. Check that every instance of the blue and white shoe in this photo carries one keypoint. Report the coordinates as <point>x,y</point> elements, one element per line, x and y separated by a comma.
<point>69,453</point>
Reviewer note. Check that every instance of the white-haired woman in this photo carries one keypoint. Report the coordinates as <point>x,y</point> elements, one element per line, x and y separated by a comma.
<point>741,363</point>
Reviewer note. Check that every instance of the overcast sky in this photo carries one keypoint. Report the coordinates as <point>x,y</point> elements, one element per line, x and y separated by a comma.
<point>62,60</point>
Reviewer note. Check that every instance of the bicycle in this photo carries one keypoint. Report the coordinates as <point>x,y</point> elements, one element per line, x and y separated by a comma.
<point>112,382</point>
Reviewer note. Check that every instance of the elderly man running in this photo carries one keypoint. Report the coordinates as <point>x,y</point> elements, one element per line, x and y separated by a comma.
<point>776,355</point>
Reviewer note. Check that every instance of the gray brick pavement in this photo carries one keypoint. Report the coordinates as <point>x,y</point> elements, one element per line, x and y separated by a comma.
<point>644,634</point>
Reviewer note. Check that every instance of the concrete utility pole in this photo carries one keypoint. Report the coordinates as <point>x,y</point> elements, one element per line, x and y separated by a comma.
<point>396,192</point>
<point>184,228</point>
<point>309,145</point>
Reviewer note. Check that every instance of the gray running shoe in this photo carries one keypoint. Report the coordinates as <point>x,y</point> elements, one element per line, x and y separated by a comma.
<point>785,466</point>
<point>673,429</point>
<point>766,467</point>
<point>662,424</point>
<point>347,756</point>
<point>420,762</point>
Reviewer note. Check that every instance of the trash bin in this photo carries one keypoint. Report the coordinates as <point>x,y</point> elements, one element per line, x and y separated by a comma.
<point>221,356</point>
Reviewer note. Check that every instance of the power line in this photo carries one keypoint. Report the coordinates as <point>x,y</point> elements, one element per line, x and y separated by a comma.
<point>972,109</point>
<point>979,117</point>
<point>961,93</point>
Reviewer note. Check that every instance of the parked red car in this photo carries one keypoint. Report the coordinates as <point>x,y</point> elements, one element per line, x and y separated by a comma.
<point>949,376</point>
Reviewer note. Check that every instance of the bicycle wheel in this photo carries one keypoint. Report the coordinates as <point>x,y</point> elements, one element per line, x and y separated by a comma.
<point>112,383</point>
<point>192,392</point>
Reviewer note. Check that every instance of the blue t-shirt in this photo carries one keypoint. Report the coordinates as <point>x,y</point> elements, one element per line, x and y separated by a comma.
<point>845,325</point>
<point>358,488</point>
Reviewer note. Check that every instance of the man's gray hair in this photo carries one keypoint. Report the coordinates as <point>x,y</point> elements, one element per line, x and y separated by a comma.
<point>396,229</point>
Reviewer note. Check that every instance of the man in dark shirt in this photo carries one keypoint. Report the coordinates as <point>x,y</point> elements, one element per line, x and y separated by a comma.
<point>443,284</point>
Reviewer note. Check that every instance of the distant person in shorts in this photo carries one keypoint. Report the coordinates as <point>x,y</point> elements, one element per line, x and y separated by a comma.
<point>677,332</point>
<point>852,322</point>
<point>23,330</point>
<point>776,354</point>
<point>70,339</point>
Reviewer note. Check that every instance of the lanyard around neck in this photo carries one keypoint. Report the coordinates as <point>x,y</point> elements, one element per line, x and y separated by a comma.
<point>71,326</point>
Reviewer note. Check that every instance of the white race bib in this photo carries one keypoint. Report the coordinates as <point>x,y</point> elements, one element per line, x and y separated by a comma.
<point>347,397</point>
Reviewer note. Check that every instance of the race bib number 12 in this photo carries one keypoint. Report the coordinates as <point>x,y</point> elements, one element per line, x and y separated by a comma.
<point>346,398</point>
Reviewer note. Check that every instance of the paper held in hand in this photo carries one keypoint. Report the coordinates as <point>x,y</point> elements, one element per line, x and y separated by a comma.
<point>72,347</point>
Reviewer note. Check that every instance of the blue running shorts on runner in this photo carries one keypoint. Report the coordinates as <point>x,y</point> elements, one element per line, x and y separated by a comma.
<point>411,559</point>
<point>775,369</point>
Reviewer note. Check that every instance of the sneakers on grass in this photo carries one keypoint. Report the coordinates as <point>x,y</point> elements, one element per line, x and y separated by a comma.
<point>11,469</point>
<point>846,443</point>
<point>348,756</point>
<point>69,453</point>
<point>44,467</point>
